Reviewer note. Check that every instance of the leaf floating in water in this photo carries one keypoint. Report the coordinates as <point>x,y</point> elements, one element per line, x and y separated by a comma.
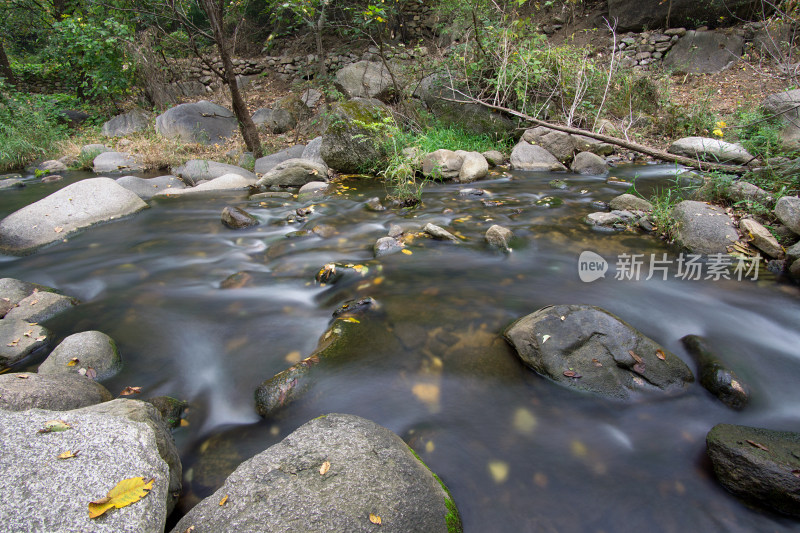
<point>224,500</point>
<point>375,519</point>
<point>757,445</point>
<point>54,426</point>
<point>127,391</point>
<point>407,252</point>
<point>324,468</point>
<point>69,454</point>
<point>572,374</point>
<point>74,361</point>
<point>660,355</point>
<point>499,471</point>
<point>126,492</point>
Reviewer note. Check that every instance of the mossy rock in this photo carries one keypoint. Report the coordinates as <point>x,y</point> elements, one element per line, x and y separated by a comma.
<point>353,139</point>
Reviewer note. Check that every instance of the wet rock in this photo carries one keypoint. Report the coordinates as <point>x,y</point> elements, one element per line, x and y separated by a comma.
<point>13,291</point>
<point>268,162</point>
<point>285,387</point>
<point>588,163</point>
<point>116,162</point>
<point>293,173</point>
<point>41,306</point>
<point>18,339</point>
<point>25,390</point>
<point>787,209</point>
<point>526,156</point>
<point>395,231</point>
<point>710,150</point>
<point>558,184</point>
<point>442,164</point>
<point>494,158</point>
<point>201,122</point>
<point>499,237</point>
<point>374,204</point>
<point>171,409</point>
<point>112,448</point>
<point>368,470</point>
<point>361,305</point>
<point>313,189</point>
<point>703,228</point>
<point>226,182</point>
<point>326,231</point>
<point>629,202</point>
<point>715,376</point>
<point>558,143</point>
<point>760,237</point>
<point>466,193</point>
<point>589,349</point>
<point>758,465</point>
<point>237,218</point>
<point>52,178</point>
<point>439,233</point>
<point>474,167</point>
<point>147,188</point>
<point>127,123</point>
<point>236,281</point>
<point>195,171</point>
<point>616,219</point>
<point>386,245</point>
<point>272,194</point>
<point>11,183</point>
<point>81,351</point>
<point>366,79</point>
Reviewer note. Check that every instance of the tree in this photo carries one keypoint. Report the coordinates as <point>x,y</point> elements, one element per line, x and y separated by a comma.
<point>5,66</point>
<point>313,13</point>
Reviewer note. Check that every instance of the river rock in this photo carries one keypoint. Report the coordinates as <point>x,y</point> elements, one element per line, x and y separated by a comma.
<point>499,237</point>
<point>41,306</point>
<point>703,228</point>
<point>589,164</point>
<point>237,218</point>
<point>50,166</point>
<point>792,252</point>
<point>127,123</point>
<point>708,149</point>
<point>39,492</point>
<point>12,183</point>
<point>367,470</point>
<point>527,156</point>
<point>197,170</point>
<point>715,376</point>
<point>201,122</point>
<point>588,144</point>
<point>589,349</point>
<point>313,189</point>
<point>374,204</point>
<point>758,465</point>
<point>313,151</point>
<point>704,52</point>
<point>147,188</point>
<point>794,269</point>
<point>77,206</point>
<point>787,209</point>
<point>629,202</point>
<point>616,219</point>
<point>116,162</point>
<point>293,173</point>
<point>13,291</point>
<point>386,246</point>
<point>760,237</point>
<point>474,167</point>
<point>742,191</point>
<point>348,144</point>
<point>81,351</point>
<point>171,409</point>
<point>18,339</point>
<point>439,233</point>
<point>268,162</point>
<point>494,158</point>
<point>442,164</point>
<point>25,390</point>
<point>366,79</point>
<point>226,182</point>
<point>785,105</point>
<point>558,143</point>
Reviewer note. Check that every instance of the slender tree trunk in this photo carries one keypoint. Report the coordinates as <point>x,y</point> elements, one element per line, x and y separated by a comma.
<point>215,12</point>
<point>321,70</point>
<point>5,66</point>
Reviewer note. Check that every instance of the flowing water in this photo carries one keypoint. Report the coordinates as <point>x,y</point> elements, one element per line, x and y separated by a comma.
<point>518,452</point>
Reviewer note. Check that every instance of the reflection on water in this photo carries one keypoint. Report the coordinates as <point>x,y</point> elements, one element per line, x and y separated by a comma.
<point>518,452</point>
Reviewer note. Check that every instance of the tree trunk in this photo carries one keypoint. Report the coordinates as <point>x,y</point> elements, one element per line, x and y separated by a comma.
<point>5,66</point>
<point>321,70</point>
<point>215,12</point>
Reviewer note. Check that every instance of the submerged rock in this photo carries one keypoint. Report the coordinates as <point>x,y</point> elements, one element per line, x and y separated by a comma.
<point>237,218</point>
<point>715,376</point>
<point>386,246</point>
<point>171,409</point>
<point>80,352</point>
<point>758,465</point>
<point>589,349</point>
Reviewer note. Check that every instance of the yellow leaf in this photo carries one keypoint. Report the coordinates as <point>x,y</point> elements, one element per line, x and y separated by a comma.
<point>126,492</point>
<point>375,519</point>
<point>324,468</point>
<point>351,319</point>
<point>406,251</point>
<point>40,338</point>
<point>69,454</point>
<point>74,361</point>
<point>498,470</point>
<point>224,500</point>
<point>184,422</point>
<point>54,426</point>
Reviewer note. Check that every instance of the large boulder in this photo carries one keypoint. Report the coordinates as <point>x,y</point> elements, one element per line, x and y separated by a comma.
<point>558,143</point>
<point>629,202</point>
<point>709,149</point>
<point>442,164</point>
<point>366,79</point>
<point>81,351</point>
<point>787,209</point>
<point>786,105</point>
<point>348,145</point>
<point>702,228</point>
<point>313,150</point>
<point>638,15</point>
<point>226,182</point>
<point>704,52</point>
<point>201,122</point>
<point>473,168</point>
<point>526,156</point>
<point>589,164</point>
<point>116,162</point>
<point>18,339</point>
<point>127,123</point>
<point>75,207</point>
<point>268,162</point>
<point>147,188</point>
<point>589,349</point>
<point>40,492</point>
<point>335,473</point>
<point>293,173</point>
<point>13,291</point>
<point>25,390</point>
<point>197,170</point>
<point>284,115</point>
<point>758,465</point>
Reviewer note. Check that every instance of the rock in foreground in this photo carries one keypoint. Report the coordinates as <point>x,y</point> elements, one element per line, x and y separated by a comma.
<point>332,474</point>
<point>703,228</point>
<point>589,349</point>
<point>25,390</point>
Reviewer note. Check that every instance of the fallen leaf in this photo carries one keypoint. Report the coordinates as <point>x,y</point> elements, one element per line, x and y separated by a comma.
<point>40,338</point>
<point>28,333</point>
<point>375,519</point>
<point>184,422</point>
<point>54,426</point>
<point>660,355</point>
<point>636,358</point>
<point>407,252</point>
<point>544,338</point>
<point>126,492</point>
<point>324,468</point>
<point>352,320</point>
<point>498,470</point>
<point>757,445</point>
<point>190,529</point>
<point>13,343</point>
<point>224,500</point>
<point>563,318</point>
<point>91,373</point>
<point>127,391</point>
<point>23,376</point>
<point>572,374</point>
<point>58,229</point>
<point>596,362</point>
<point>69,454</point>
<point>74,361</point>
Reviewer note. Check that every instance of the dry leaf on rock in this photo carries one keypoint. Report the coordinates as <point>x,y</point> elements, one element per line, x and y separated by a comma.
<point>54,426</point>
<point>126,492</point>
<point>324,468</point>
<point>69,454</point>
<point>224,500</point>
<point>375,519</point>
<point>127,391</point>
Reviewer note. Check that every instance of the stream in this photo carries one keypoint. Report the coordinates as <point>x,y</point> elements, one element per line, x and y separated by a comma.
<point>518,452</point>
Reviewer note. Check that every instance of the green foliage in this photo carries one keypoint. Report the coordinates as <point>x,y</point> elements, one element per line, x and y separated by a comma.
<point>759,134</point>
<point>681,120</point>
<point>29,128</point>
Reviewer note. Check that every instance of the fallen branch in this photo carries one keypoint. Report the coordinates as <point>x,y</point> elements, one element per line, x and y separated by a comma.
<point>636,147</point>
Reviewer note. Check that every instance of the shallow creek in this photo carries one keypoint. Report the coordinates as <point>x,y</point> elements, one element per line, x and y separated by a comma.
<point>518,452</point>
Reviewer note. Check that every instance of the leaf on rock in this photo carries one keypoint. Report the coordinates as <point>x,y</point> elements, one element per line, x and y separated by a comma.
<point>23,376</point>
<point>58,229</point>
<point>69,454</point>
<point>324,468</point>
<point>572,374</point>
<point>352,320</point>
<point>757,445</point>
<point>596,362</point>
<point>375,519</point>
<point>126,492</point>
<point>224,500</point>
<point>127,391</point>
<point>13,343</point>
<point>41,338</point>
<point>660,355</point>
<point>636,357</point>
<point>28,333</point>
<point>54,426</point>
<point>74,361</point>
<point>544,338</point>
<point>639,368</point>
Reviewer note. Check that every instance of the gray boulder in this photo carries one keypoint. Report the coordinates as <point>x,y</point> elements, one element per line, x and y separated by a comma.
<point>24,390</point>
<point>629,202</point>
<point>39,492</point>
<point>704,52</point>
<point>226,182</point>
<point>794,269</point>
<point>286,114</point>
<point>50,166</point>
<point>742,191</point>
<point>589,349</point>
<point>127,123</point>
<point>348,145</point>
<point>761,238</point>
<point>313,150</point>
<point>13,291</point>
<point>715,376</point>
<point>268,162</point>
<point>442,164</point>
<point>386,245</point>
<point>703,228</point>
<point>558,143</point>
<point>494,158</point>
<point>709,149</point>
<point>18,339</point>
<point>787,209</point>
<point>201,122</point>
<point>331,474</point>
<point>11,183</point>
<point>615,219</point>
<point>366,79</point>
<point>785,105</point>
<point>116,162</point>
<point>147,188</point>
<point>588,144</point>
<point>41,306</point>
<point>439,233</point>
<point>758,465</point>
<point>499,237</point>
<point>526,156</point>
<point>81,351</point>
<point>311,97</point>
<point>197,170</point>
<point>313,189</point>
<point>473,168</point>
<point>589,164</point>
<point>237,218</point>
<point>262,116</point>
<point>293,173</point>
<point>793,252</point>
<point>75,207</point>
